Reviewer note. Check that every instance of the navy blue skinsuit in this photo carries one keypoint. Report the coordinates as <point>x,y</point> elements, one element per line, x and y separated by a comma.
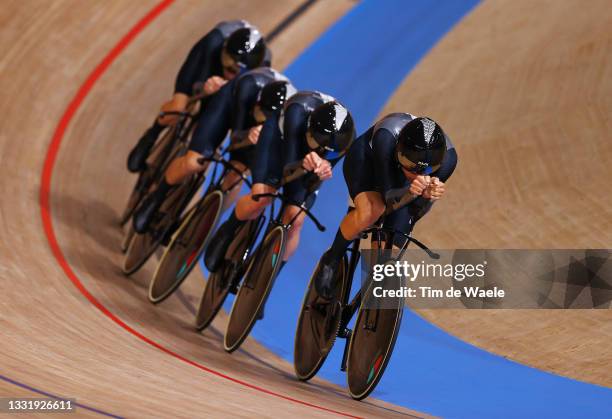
<point>231,108</point>
<point>370,165</point>
<point>283,141</point>
<point>204,59</point>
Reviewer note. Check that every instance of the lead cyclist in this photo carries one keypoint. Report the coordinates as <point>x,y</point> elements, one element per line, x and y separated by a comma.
<point>401,158</point>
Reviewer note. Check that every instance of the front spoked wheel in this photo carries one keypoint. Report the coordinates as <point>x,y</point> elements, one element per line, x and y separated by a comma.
<point>371,345</point>
<point>317,326</point>
<point>186,247</point>
<point>255,288</point>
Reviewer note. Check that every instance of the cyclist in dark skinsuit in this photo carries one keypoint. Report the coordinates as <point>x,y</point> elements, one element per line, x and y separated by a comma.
<point>219,56</point>
<point>233,107</point>
<point>312,128</point>
<point>400,159</point>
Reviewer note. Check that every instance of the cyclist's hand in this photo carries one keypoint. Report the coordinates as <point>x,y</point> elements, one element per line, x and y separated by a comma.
<point>213,84</point>
<point>324,170</point>
<point>253,135</point>
<point>311,161</point>
<point>435,190</point>
<point>419,184</point>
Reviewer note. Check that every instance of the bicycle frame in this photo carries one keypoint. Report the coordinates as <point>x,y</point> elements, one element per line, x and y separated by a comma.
<point>276,220</point>
<point>216,183</point>
<point>349,309</point>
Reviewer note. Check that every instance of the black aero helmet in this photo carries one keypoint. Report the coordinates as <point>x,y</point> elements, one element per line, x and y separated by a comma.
<point>246,46</point>
<point>421,146</point>
<point>273,96</point>
<point>331,130</point>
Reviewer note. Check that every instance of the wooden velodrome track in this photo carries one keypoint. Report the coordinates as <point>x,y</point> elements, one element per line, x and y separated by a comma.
<point>54,340</point>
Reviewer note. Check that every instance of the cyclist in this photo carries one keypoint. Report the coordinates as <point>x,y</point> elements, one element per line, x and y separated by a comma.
<point>312,128</point>
<point>219,56</point>
<point>238,106</point>
<point>401,158</point>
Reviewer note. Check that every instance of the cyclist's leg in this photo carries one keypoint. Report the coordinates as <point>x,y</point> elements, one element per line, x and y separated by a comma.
<point>232,183</point>
<point>293,234</point>
<point>296,192</point>
<point>266,172</point>
<point>183,167</point>
<point>138,156</point>
<point>249,209</point>
<point>246,209</point>
<point>368,202</point>
<point>241,160</point>
<point>369,206</point>
<point>402,220</point>
<point>178,103</point>
<point>209,133</point>
<point>266,165</point>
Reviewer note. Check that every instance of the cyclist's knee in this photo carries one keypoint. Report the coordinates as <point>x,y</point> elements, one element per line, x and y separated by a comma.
<point>191,162</point>
<point>232,176</point>
<point>260,188</point>
<point>258,204</point>
<point>178,103</point>
<point>231,180</point>
<point>241,167</point>
<point>261,202</point>
<point>369,212</point>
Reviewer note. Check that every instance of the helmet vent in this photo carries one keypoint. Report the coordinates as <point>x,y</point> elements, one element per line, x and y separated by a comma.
<point>341,114</point>
<point>428,129</point>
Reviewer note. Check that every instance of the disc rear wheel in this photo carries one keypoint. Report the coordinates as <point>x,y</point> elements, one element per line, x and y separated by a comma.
<point>221,282</point>
<point>186,247</point>
<point>317,326</point>
<point>255,288</point>
<point>143,246</point>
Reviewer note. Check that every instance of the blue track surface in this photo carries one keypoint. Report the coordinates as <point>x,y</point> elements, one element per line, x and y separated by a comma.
<point>361,60</point>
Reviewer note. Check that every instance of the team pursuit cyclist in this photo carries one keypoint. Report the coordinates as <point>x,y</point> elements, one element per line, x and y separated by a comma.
<point>401,158</point>
<point>228,49</point>
<point>311,128</point>
<point>238,106</point>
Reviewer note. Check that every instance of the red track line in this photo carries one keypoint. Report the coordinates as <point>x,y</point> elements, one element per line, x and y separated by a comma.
<point>45,208</point>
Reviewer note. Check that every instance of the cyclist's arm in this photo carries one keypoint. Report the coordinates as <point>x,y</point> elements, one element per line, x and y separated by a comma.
<point>213,124</point>
<point>388,176</point>
<point>245,95</point>
<point>198,64</point>
<point>397,198</point>
<point>294,123</point>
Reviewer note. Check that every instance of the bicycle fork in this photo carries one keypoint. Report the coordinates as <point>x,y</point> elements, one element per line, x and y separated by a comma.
<point>348,310</point>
